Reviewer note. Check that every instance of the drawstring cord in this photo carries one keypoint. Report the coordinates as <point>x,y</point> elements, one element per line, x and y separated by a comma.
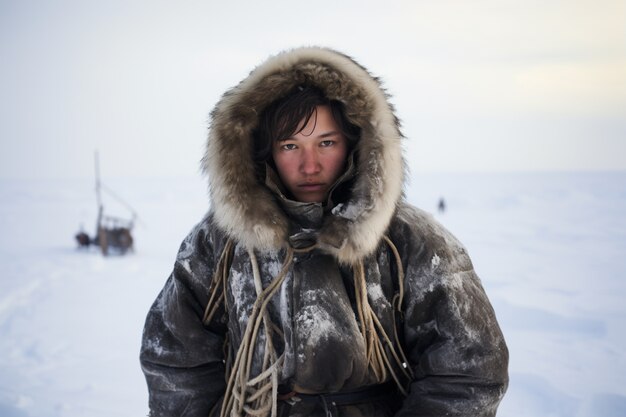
<point>258,396</point>
<point>372,330</point>
<point>397,300</point>
<point>219,283</point>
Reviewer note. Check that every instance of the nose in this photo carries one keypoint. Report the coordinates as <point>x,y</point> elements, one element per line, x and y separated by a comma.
<point>309,162</point>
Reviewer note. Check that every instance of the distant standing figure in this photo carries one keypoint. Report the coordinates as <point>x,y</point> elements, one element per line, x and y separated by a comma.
<point>442,205</point>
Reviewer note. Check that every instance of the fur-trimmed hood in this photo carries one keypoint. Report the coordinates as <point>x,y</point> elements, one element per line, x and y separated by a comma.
<point>249,212</point>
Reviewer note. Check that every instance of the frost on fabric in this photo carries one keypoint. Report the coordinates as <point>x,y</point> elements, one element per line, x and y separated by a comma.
<point>186,265</point>
<point>187,248</point>
<point>154,345</point>
<point>455,281</point>
<point>374,288</point>
<point>434,262</point>
<point>314,323</point>
<point>470,309</point>
<point>348,211</point>
<point>244,295</point>
<point>375,292</point>
<point>315,320</point>
<point>337,209</point>
<point>271,268</point>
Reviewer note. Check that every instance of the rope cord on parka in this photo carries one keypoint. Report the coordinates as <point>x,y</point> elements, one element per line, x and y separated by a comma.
<point>258,396</point>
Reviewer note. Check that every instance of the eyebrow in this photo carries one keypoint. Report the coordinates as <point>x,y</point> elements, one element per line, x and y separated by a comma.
<point>328,134</point>
<point>321,136</point>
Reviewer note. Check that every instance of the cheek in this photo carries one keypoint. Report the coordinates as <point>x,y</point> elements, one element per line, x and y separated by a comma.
<point>339,161</point>
<point>276,158</point>
<point>284,165</point>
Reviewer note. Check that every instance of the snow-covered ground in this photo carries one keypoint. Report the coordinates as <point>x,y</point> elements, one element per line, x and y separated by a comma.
<point>550,248</point>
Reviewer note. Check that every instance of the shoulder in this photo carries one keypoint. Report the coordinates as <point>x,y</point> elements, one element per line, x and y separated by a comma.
<point>205,235</point>
<point>420,227</point>
<point>201,248</point>
<point>421,239</point>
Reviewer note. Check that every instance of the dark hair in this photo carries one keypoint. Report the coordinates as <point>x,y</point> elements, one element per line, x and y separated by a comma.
<point>281,119</point>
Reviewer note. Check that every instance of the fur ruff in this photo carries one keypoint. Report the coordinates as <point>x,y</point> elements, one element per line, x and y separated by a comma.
<point>248,212</point>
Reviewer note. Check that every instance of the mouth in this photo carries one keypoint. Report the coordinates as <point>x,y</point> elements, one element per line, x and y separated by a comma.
<point>311,186</point>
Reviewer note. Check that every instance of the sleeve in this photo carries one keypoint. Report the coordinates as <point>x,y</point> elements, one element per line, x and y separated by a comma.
<point>452,339</point>
<point>181,358</point>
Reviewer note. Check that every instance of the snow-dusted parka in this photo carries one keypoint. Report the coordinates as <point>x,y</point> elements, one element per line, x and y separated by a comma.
<point>359,306</point>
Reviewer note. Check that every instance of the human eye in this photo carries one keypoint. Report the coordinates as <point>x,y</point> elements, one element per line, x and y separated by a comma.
<point>326,143</point>
<point>288,147</point>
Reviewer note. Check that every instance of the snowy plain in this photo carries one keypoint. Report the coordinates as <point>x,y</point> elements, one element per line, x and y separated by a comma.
<point>550,249</point>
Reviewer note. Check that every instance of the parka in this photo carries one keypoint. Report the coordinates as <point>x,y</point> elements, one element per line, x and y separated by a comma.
<point>277,307</point>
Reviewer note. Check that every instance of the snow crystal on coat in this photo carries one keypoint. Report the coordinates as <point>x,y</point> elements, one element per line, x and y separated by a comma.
<point>350,211</point>
<point>241,295</point>
<point>375,292</point>
<point>154,345</point>
<point>434,262</point>
<point>337,209</point>
<point>284,308</point>
<point>274,268</point>
<point>186,265</point>
<point>314,323</point>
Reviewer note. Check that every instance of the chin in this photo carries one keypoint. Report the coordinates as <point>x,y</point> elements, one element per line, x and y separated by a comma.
<point>310,199</point>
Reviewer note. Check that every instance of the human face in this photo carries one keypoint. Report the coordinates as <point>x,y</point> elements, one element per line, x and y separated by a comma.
<point>310,161</point>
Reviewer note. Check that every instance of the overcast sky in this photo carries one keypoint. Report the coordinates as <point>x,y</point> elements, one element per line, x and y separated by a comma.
<point>479,85</point>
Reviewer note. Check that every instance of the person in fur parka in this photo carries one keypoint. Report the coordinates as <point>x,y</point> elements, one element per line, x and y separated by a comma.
<point>311,287</point>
